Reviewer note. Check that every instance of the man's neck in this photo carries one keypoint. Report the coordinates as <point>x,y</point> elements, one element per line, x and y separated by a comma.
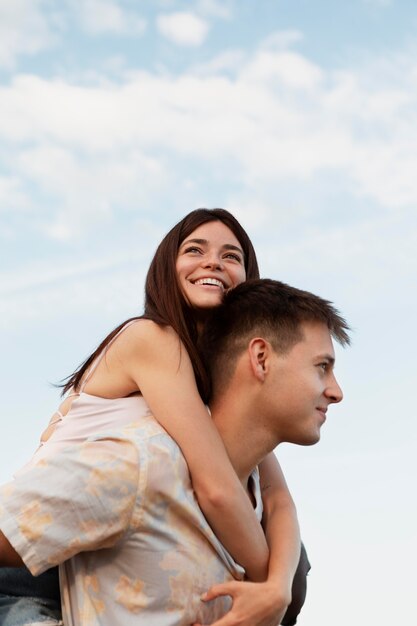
<point>246,443</point>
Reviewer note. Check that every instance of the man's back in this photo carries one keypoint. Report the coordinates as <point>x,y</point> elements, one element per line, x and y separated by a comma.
<point>145,550</point>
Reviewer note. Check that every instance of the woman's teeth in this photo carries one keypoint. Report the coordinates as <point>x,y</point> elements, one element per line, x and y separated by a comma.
<point>209,281</point>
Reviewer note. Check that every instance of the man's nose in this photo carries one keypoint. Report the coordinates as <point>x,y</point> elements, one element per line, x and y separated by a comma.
<point>334,392</point>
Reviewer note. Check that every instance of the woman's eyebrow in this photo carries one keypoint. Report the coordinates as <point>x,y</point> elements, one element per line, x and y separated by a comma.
<point>226,246</point>
<point>200,241</point>
<point>230,246</point>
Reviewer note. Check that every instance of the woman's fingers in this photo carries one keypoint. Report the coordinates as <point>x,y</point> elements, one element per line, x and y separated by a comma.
<point>253,604</point>
<point>224,589</point>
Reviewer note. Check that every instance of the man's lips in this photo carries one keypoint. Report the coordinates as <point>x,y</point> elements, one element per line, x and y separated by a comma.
<point>322,411</point>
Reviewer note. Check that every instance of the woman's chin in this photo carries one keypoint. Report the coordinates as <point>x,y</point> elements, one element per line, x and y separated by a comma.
<point>207,303</point>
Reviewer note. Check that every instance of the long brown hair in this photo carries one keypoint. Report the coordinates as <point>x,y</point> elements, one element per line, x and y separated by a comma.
<point>164,302</point>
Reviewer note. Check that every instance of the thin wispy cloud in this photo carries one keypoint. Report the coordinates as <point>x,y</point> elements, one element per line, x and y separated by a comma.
<point>216,8</point>
<point>27,27</point>
<point>107,16</point>
<point>183,28</point>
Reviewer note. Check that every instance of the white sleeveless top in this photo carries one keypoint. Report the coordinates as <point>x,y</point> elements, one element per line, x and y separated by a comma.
<point>90,415</point>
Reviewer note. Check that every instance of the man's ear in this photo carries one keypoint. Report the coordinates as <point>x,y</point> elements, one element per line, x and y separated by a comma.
<point>259,350</point>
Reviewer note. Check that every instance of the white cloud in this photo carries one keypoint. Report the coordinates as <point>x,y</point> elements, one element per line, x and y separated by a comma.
<point>228,61</point>
<point>275,118</point>
<point>26,27</point>
<point>41,290</point>
<point>93,187</point>
<point>183,28</point>
<point>289,68</point>
<point>11,195</point>
<point>282,39</point>
<point>222,9</point>
<point>30,26</point>
<point>42,274</point>
<point>36,300</point>
<point>107,16</point>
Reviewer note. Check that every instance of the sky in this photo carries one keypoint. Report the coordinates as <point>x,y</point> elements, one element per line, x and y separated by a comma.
<point>119,117</point>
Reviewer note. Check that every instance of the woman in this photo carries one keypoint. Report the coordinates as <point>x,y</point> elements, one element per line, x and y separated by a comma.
<point>156,356</point>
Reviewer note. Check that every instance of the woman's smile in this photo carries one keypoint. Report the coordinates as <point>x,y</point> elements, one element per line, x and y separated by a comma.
<point>209,261</point>
<point>210,282</point>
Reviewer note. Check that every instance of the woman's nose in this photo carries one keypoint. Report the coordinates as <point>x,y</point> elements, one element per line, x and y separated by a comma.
<point>213,260</point>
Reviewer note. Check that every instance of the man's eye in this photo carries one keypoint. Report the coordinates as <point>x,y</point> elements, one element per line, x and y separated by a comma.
<point>324,366</point>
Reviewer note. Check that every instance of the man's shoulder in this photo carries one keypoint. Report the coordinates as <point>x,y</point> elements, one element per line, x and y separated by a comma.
<point>144,434</point>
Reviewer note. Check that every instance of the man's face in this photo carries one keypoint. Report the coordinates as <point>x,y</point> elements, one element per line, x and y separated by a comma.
<point>301,385</point>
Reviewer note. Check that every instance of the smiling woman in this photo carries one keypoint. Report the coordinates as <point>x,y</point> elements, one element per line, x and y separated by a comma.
<point>151,365</point>
<point>209,261</point>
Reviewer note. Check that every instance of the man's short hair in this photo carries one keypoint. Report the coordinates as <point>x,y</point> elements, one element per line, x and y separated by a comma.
<point>266,308</point>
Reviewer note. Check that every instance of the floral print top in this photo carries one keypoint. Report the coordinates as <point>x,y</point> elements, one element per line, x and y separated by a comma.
<point>118,513</point>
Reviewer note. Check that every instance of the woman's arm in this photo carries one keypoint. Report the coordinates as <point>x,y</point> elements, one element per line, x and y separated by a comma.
<point>265,603</point>
<point>160,368</point>
<point>281,528</point>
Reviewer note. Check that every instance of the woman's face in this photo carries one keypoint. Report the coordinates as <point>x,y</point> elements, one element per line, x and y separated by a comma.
<point>209,261</point>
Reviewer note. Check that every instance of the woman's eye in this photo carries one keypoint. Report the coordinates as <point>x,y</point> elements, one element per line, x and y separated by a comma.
<point>236,257</point>
<point>192,249</point>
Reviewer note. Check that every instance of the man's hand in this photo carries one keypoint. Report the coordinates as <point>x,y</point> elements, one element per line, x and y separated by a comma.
<point>254,604</point>
<point>8,555</point>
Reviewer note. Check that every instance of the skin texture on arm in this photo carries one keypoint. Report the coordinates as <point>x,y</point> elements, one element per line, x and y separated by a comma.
<point>8,555</point>
<point>281,530</point>
<point>279,521</point>
<point>159,366</point>
<point>265,603</point>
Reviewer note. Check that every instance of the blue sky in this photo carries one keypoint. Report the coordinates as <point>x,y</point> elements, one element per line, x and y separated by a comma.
<point>117,118</point>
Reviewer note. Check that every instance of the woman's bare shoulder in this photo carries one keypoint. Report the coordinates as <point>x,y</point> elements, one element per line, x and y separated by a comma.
<point>145,335</point>
<point>147,349</point>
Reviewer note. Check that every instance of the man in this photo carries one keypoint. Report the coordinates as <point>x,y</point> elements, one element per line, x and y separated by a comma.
<point>120,508</point>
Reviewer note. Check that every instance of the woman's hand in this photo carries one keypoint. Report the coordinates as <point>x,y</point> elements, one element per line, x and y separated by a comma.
<point>254,604</point>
